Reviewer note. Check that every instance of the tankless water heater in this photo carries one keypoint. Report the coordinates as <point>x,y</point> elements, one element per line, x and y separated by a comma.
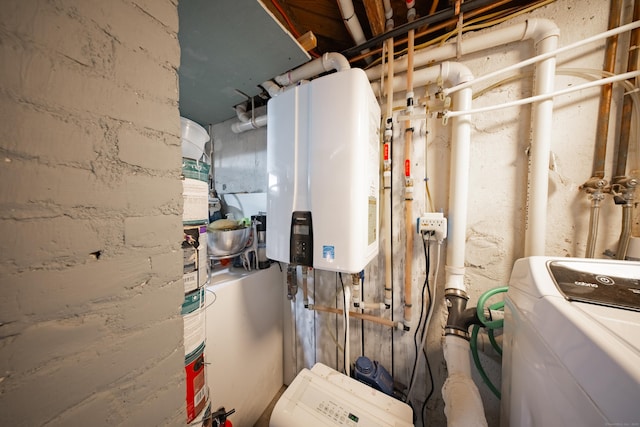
<point>323,140</point>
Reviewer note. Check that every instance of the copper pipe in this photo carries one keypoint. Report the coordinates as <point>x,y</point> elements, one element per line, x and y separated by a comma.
<point>431,29</point>
<point>627,106</point>
<point>354,314</point>
<point>602,129</point>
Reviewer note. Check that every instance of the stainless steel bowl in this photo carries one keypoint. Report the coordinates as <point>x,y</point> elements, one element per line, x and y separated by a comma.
<point>227,242</point>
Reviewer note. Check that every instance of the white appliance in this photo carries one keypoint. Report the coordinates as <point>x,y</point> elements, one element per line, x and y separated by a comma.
<point>323,151</point>
<point>571,352</point>
<point>323,397</point>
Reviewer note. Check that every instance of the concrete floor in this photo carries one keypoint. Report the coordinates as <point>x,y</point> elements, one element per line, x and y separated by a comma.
<point>263,421</point>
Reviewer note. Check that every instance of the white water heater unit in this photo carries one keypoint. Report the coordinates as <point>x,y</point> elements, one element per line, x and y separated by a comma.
<point>323,163</point>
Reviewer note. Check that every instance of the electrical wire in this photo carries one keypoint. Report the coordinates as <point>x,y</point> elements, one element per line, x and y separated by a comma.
<point>345,317</point>
<point>292,28</point>
<point>426,331</point>
<point>278,6</point>
<point>425,286</point>
<point>469,27</point>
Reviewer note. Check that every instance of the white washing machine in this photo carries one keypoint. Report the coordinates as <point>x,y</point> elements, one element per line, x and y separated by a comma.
<point>571,344</point>
<point>323,397</point>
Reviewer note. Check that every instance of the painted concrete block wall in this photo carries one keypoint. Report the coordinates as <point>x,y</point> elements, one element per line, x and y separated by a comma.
<point>497,202</point>
<point>90,214</point>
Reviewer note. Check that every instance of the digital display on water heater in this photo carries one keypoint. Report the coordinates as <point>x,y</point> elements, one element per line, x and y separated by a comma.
<point>301,229</point>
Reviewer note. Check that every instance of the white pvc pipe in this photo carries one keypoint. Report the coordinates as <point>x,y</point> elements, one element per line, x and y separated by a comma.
<point>594,83</point>
<point>256,123</point>
<point>327,62</point>
<point>541,125</point>
<point>351,20</point>
<point>463,405</point>
<point>458,190</point>
<point>546,55</point>
<point>530,29</point>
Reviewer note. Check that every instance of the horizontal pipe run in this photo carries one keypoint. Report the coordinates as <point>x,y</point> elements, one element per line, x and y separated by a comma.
<point>535,29</point>
<point>417,23</point>
<point>546,96</point>
<point>544,56</point>
<point>356,315</point>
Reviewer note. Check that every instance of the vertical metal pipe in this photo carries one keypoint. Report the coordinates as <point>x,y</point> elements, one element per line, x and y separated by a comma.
<point>593,225</point>
<point>625,233</point>
<point>602,129</point>
<point>627,106</point>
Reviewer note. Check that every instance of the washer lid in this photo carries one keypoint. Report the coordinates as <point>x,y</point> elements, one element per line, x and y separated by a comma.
<point>609,283</point>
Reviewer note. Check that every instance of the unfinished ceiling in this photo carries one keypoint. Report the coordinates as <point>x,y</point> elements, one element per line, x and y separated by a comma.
<point>229,47</point>
<point>433,18</point>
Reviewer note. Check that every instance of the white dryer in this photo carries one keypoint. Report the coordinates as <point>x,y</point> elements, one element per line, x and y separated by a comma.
<point>571,341</point>
<point>323,397</point>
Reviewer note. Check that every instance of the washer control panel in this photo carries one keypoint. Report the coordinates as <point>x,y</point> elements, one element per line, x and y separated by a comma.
<point>615,284</point>
<point>337,413</point>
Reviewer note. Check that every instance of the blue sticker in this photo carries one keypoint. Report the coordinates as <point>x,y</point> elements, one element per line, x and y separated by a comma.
<point>328,253</point>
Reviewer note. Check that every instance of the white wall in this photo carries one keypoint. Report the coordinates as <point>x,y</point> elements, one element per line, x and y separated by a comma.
<point>497,202</point>
<point>90,214</point>
<point>244,341</point>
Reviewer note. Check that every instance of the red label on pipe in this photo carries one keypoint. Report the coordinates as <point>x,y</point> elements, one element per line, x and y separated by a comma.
<point>385,150</point>
<point>407,168</point>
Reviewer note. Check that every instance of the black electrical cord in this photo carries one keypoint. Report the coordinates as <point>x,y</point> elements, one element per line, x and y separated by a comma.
<point>346,319</point>
<point>424,405</point>
<point>362,302</point>
<point>424,351</point>
<point>425,285</point>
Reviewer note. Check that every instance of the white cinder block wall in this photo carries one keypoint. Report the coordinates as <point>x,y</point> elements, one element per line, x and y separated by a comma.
<point>90,214</point>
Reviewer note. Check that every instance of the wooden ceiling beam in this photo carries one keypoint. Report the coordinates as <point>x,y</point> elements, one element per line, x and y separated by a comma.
<point>375,15</point>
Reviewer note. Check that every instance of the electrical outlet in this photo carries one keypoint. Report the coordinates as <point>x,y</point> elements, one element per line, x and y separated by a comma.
<point>435,222</point>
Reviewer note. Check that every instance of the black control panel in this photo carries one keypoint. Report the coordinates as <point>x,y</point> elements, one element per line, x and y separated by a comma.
<point>598,285</point>
<point>301,249</point>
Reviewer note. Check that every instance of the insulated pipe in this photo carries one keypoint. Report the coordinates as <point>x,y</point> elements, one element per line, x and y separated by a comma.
<point>602,129</point>
<point>327,62</point>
